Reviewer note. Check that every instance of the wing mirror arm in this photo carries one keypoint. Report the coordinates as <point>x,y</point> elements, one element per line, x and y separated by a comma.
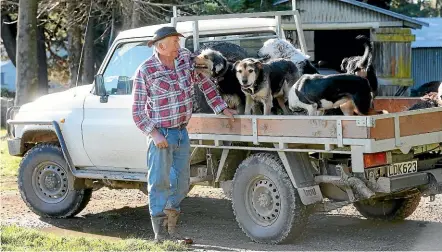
<point>100,90</point>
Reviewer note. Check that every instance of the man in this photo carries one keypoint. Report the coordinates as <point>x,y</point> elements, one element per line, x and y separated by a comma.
<point>162,107</point>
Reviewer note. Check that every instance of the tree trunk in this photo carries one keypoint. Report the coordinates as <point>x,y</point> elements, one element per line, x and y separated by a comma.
<point>88,54</point>
<point>127,15</point>
<point>112,31</point>
<point>74,46</point>
<point>136,15</point>
<point>42,62</point>
<point>27,68</point>
<point>9,35</point>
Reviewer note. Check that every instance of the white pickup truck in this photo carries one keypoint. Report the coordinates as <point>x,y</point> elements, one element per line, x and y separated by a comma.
<point>79,140</point>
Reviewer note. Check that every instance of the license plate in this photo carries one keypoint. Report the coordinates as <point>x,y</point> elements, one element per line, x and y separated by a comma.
<point>402,168</point>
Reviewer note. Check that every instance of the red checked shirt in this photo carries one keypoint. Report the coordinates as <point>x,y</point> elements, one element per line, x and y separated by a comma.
<point>162,97</point>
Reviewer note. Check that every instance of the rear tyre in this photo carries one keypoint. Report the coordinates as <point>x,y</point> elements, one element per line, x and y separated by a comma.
<point>389,209</point>
<point>44,179</point>
<point>266,205</point>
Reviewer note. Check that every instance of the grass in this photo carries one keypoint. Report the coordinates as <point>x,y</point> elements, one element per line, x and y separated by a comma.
<point>8,164</point>
<point>14,238</point>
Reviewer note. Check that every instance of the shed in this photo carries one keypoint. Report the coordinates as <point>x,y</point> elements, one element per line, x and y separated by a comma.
<point>331,26</point>
<point>427,52</point>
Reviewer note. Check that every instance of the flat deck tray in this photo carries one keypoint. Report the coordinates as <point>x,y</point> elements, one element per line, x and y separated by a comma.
<point>377,127</point>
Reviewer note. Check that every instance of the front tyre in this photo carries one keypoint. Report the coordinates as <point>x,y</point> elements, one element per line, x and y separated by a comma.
<point>266,205</point>
<point>43,181</point>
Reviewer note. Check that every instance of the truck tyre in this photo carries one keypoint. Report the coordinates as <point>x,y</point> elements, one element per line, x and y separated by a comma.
<point>43,181</point>
<point>266,205</point>
<point>389,210</point>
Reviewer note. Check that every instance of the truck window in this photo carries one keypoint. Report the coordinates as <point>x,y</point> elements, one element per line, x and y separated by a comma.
<point>126,58</point>
<point>251,42</point>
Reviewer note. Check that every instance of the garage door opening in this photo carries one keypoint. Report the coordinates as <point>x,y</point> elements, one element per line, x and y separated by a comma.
<point>333,46</point>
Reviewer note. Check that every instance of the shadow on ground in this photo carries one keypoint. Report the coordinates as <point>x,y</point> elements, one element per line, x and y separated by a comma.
<point>210,222</point>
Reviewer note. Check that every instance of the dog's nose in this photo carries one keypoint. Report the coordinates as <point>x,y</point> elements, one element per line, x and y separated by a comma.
<point>244,82</point>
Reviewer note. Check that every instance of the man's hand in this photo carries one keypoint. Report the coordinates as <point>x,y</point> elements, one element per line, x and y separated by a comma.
<point>229,113</point>
<point>158,139</point>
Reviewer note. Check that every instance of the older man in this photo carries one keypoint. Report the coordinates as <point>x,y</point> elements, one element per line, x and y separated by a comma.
<point>162,107</point>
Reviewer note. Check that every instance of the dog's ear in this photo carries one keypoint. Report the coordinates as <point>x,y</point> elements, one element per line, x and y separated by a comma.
<point>236,63</point>
<point>258,64</point>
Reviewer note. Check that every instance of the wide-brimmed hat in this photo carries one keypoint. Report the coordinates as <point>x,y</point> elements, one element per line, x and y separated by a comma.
<point>163,32</point>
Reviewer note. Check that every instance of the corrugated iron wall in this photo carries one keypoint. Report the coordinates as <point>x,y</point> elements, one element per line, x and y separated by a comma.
<point>426,65</point>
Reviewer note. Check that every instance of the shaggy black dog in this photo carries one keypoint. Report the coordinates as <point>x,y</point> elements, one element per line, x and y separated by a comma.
<point>426,88</point>
<point>430,100</point>
<point>214,65</point>
<point>231,52</point>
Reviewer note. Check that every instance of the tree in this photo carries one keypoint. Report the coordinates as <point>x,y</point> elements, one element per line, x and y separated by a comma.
<point>26,60</point>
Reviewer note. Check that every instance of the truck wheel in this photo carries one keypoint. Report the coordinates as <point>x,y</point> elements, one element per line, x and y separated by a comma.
<point>43,181</point>
<point>390,209</point>
<point>266,205</point>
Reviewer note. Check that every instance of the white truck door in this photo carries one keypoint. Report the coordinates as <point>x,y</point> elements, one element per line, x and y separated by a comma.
<point>111,138</point>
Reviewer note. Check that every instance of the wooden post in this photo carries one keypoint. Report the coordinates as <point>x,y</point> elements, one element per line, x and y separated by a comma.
<point>392,55</point>
<point>300,32</point>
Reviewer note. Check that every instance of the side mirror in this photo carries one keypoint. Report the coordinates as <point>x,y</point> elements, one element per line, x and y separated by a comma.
<point>99,88</point>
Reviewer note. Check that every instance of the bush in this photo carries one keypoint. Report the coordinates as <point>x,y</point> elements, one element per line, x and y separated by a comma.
<point>8,94</point>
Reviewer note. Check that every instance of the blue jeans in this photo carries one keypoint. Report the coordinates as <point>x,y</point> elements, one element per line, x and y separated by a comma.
<point>168,171</point>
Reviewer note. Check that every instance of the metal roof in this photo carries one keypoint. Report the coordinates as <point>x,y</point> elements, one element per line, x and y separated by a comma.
<point>374,8</point>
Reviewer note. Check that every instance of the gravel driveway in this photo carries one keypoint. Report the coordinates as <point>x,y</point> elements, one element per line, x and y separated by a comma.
<point>208,218</point>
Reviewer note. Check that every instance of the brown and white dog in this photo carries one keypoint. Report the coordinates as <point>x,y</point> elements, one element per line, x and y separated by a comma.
<point>263,82</point>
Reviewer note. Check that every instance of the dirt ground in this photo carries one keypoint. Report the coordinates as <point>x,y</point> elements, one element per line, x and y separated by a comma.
<point>208,218</point>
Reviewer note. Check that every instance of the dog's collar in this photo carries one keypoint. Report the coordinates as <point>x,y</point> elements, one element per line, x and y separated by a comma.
<point>219,79</point>
<point>249,90</point>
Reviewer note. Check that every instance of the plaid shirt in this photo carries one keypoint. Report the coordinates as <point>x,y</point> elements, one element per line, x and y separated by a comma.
<point>163,97</point>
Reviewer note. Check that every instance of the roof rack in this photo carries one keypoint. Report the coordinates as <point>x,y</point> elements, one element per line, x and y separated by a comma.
<point>275,14</point>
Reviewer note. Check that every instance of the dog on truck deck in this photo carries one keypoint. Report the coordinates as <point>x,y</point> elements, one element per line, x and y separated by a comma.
<point>263,82</point>
<point>279,48</point>
<point>214,65</point>
<point>362,65</point>
<point>429,100</point>
<point>425,88</point>
<point>318,93</point>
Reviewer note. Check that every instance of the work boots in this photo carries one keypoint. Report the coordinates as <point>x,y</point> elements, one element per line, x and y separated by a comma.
<point>170,222</point>
<point>158,228</point>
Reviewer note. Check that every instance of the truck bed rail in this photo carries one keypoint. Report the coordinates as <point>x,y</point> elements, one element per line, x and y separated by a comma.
<point>375,133</point>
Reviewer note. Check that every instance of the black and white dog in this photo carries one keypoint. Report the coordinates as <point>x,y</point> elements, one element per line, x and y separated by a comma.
<point>214,65</point>
<point>263,82</point>
<point>318,93</point>
<point>362,65</point>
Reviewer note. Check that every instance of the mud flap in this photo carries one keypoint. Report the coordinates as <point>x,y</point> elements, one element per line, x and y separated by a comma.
<point>300,170</point>
<point>310,195</point>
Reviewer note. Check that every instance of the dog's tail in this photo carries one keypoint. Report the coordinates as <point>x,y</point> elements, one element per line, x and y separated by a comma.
<point>366,59</point>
